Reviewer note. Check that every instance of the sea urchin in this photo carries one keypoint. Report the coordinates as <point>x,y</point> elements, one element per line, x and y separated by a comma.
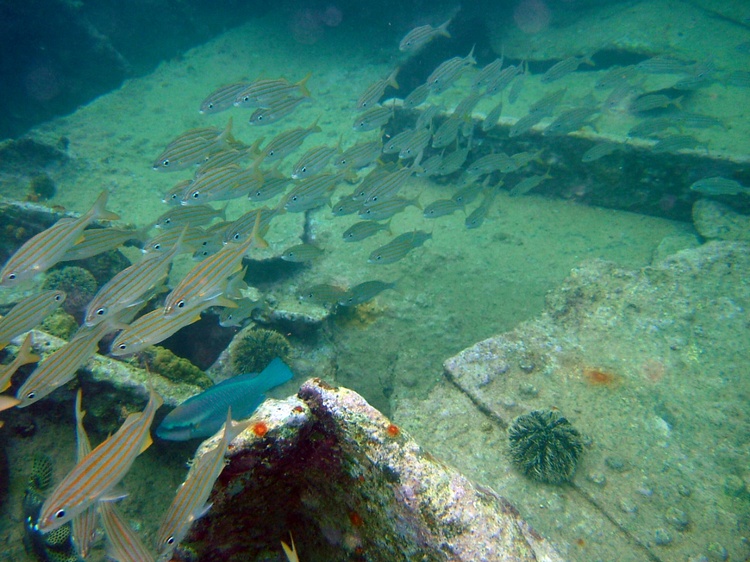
<point>544,446</point>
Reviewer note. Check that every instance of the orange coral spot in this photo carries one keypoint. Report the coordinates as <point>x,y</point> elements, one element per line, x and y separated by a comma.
<point>597,377</point>
<point>355,518</point>
<point>260,428</point>
<point>393,430</point>
<point>298,409</point>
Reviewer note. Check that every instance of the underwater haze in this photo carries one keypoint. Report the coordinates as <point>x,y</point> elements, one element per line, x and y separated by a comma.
<point>519,229</point>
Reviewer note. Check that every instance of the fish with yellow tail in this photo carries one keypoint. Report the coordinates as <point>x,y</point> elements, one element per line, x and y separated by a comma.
<point>84,524</point>
<point>190,502</point>
<point>24,356</point>
<point>49,246</point>
<point>123,544</point>
<point>208,280</point>
<point>99,472</point>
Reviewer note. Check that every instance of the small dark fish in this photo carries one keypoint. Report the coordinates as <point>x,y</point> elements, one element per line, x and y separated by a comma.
<point>675,143</point>
<point>526,185</point>
<point>525,124</point>
<point>287,142</point>
<point>502,80</point>
<point>323,294</point>
<point>301,253</point>
<point>570,121</point>
<point>270,188</point>
<point>441,208</point>
<point>663,65</point>
<point>447,132</point>
<point>364,229</point>
<point>719,186</point>
<point>189,215</point>
<point>266,92</point>
<point>487,74</point>
<point>564,67</point>
<point>477,216</point>
<point>453,161</point>
<point>313,161</point>
<point>399,247</point>
<point>364,292</point>
<point>651,126</point>
<point>600,151</point>
<point>615,76</point>
<point>420,36</point>
<point>649,102</point>
<point>493,116</point>
<point>347,205</point>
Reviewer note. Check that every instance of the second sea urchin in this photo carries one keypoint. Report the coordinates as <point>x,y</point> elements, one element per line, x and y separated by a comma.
<point>545,446</point>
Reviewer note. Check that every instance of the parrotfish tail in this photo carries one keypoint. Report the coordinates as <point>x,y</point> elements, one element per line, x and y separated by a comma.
<point>275,374</point>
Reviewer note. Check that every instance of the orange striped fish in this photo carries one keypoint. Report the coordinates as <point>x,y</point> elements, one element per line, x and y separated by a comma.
<point>99,471</point>
<point>24,356</point>
<point>28,313</point>
<point>152,328</point>
<point>207,280</point>
<point>84,524</point>
<point>48,247</point>
<point>60,367</point>
<point>99,240</point>
<point>189,503</point>
<point>123,544</point>
<point>131,286</point>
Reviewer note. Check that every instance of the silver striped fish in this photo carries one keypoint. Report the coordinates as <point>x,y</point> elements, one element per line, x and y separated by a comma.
<point>48,247</point>
<point>84,524</point>
<point>60,367</point>
<point>371,96</point>
<point>193,147</point>
<point>99,240</point>
<point>24,356</point>
<point>360,155</point>
<point>313,161</point>
<point>208,279</point>
<point>131,286</point>
<point>287,142</point>
<point>190,502</point>
<point>397,248</point>
<point>420,36</point>
<point>449,71</point>
<point>277,111</point>
<point>99,471</point>
<point>123,544</point>
<point>190,215</point>
<point>223,98</point>
<point>150,329</point>
<point>28,313</point>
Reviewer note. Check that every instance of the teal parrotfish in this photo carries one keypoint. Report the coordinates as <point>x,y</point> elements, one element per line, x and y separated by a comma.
<point>202,415</point>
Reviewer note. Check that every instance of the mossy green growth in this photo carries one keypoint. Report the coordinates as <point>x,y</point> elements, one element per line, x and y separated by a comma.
<point>162,361</point>
<point>60,324</point>
<point>79,285</point>
<point>41,188</point>
<point>254,348</point>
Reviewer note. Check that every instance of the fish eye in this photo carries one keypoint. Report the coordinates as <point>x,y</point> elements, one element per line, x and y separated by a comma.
<point>60,514</point>
<point>58,297</point>
<point>237,236</point>
<point>31,395</point>
<point>167,221</point>
<point>12,276</point>
<point>196,194</point>
<point>122,347</point>
<point>342,161</point>
<point>181,304</point>
<point>210,106</point>
<point>101,311</point>
<point>165,163</point>
<point>170,540</point>
<point>156,247</point>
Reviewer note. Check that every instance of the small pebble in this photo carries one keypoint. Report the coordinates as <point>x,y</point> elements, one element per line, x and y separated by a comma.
<point>528,389</point>
<point>627,506</point>
<point>677,518</point>
<point>717,552</point>
<point>615,463</point>
<point>597,478</point>
<point>662,537</point>
<point>734,486</point>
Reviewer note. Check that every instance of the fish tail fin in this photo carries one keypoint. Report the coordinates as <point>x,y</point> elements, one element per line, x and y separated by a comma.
<point>677,102</point>
<point>255,235</point>
<point>443,28</point>
<point>99,210</point>
<point>26,354</point>
<point>470,57</point>
<point>391,80</point>
<point>276,373</point>
<point>302,85</point>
